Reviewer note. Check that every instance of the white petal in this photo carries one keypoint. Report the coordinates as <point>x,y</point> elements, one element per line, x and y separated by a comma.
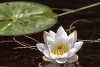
<point>60,40</point>
<point>63,41</point>
<point>47,53</point>
<point>50,41</point>
<point>71,41</point>
<point>50,48</point>
<point>53,56</point>
<point>64,55</point>
<point>47,59</point>
<point>73,58</point>
<point>41,47</point>
<point>72,38</point>
<point>45,34</point>
<point>71,52</point>
<point>61,32</point>
<point>62,60</point>
<point>75,36</point>
<point>78,45</point>
<point>52,34</point>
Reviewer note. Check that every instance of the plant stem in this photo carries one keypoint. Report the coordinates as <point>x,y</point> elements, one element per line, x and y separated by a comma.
<point>62,9</point>
<point>79,9</point>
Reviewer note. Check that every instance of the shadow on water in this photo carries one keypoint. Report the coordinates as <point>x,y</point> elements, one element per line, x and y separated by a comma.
<point>89,55</point>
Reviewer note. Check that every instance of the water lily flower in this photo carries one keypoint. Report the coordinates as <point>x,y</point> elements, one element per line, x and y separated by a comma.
<point>59,47</point>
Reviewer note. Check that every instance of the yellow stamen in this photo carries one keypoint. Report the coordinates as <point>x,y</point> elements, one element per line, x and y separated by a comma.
<point>59,49</point>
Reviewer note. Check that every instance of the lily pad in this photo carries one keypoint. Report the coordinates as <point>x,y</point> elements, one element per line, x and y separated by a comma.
<point>18,18</point>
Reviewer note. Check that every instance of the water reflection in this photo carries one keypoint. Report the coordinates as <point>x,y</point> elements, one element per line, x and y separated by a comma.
<point>51,64</point>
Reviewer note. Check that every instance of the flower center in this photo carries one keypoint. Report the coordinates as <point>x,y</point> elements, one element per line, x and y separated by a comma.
<point>59,49</point>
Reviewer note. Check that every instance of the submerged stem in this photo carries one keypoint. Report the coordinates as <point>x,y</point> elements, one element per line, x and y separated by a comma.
<point>79,9</point>
<point>90,41</point>
<point>32,38</point>
<point>73,23</point>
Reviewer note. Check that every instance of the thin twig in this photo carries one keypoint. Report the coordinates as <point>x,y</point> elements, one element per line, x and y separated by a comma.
<point>25,45</point>
<point>73,11</point>
<point>30,47</point>
<point>7,41</point>
<point>32,38</point>
<point>19,42</point>
<point>91,41</point>
<point>73,23</point>
<point>70,28</point>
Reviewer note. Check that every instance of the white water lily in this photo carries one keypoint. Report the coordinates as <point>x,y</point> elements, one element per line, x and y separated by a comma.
<point>59,46</point>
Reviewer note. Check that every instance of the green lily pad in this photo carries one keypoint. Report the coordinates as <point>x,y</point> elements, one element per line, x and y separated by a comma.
<point>18,18</point>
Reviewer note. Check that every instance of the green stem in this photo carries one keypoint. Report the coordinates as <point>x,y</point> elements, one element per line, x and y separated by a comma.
<point>62,9</point>
<point>79,9</point>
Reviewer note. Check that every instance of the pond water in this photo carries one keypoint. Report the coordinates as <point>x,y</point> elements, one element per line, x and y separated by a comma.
<point>89,54</point>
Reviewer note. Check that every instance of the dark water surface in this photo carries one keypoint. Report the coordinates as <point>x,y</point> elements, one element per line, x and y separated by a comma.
<point>89,54</point>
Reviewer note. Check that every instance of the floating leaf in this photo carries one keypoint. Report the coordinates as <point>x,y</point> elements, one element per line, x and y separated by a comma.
<point>25,18</point>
